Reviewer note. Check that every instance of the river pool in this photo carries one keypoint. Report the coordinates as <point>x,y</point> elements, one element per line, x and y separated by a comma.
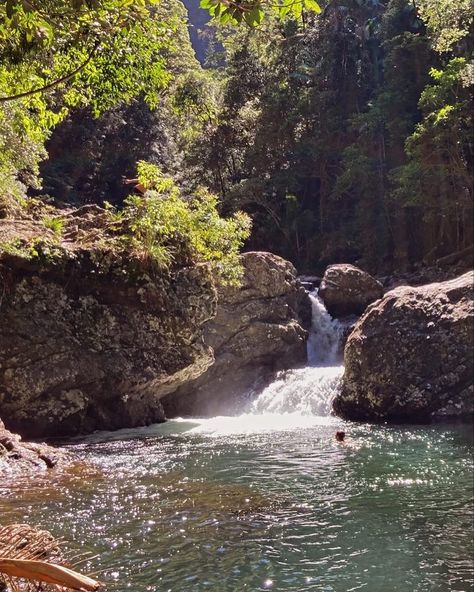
<point>230,504</point>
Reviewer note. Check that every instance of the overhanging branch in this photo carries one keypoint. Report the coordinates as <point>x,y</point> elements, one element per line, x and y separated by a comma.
<point>52,84</point>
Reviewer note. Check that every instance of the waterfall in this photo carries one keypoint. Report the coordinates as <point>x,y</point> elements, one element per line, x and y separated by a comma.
<point>324,341</point>
<point>299,397</point>
<point>304,391</point>
<point>310,390</point>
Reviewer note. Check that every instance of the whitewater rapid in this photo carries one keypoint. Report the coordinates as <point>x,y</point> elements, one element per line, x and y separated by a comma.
<point>297,398</point>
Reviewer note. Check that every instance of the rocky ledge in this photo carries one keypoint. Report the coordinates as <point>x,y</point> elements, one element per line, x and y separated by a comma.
<point>91,337</point>
<point>410,356</point>
<point>259,328</point>
<point>17,456</point>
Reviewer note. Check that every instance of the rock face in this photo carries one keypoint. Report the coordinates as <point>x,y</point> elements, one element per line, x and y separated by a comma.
<point>410,357</point>
<point>91,340</point>
<point>347,290</point>
<point>258,330</point>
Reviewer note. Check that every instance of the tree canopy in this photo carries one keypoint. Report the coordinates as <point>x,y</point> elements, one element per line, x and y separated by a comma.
<point>343,128</point>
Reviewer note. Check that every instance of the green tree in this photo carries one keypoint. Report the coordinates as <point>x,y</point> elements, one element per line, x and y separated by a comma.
<point>437,179</point>
<point>88,156</point>
<point>63,54</point>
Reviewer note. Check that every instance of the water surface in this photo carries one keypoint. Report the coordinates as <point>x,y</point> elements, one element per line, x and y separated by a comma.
<point>268,500</point>
<point>188,506</point>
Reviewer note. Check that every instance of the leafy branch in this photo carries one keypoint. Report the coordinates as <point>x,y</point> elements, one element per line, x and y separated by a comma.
<point>54,83</point>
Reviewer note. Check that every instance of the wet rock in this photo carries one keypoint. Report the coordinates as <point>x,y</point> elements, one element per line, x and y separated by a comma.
<point>347,290</point>
<point>410,357</point>
<point>258,330</point>
<point>348,324</point>
<point>18,457</point>
<point>50,460</point>
<point>310,282</point>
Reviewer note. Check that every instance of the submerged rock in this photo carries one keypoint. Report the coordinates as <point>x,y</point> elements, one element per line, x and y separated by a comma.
<point>91,338</point>
<point>410,357</point>
<point>347,290</point>
<point>258,330</point>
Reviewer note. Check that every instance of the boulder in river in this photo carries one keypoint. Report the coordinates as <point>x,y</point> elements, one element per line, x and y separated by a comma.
<point>17,457</point>
<point>347,290</point>
<point>410,356</point>
<point>259,329</point>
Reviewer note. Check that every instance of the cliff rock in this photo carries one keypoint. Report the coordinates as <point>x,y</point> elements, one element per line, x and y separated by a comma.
<point>89,338</point>
<point>347,290</point>
<point>410,356</point>
<point>258,330</point>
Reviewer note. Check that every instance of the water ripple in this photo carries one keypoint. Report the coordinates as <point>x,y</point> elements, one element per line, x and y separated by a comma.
<point>287,510</point>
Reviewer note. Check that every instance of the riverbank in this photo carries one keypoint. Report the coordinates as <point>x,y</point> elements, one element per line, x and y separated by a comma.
<point>19,457</point>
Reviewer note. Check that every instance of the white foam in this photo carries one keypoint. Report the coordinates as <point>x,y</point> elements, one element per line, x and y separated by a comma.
<point>298,398</point>
<point>249,423</point>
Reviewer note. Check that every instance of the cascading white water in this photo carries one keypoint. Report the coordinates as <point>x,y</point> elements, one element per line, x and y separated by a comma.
<point>310,390</point>
<point>299,397</point>
<point>324,342</point>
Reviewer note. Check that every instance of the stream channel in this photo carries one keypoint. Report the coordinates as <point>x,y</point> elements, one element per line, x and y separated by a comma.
<point>268,500</point>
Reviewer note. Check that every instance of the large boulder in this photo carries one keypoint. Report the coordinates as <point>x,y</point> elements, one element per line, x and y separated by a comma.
<point>347,290</point>
<point>410,357</point>
<point>258,330</point>
<point>91,338</point>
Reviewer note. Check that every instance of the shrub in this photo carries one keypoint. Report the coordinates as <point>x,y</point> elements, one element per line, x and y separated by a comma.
<point>164,228</point>
<point>54,224</point>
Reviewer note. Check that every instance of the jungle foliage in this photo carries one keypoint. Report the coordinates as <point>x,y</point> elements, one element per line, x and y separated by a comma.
<point>163,228</point>
<point>348,135</point>
<point>343,128</point>
<point>102,67</point>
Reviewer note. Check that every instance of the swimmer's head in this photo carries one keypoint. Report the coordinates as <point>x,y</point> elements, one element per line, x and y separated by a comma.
<point>340,436</point>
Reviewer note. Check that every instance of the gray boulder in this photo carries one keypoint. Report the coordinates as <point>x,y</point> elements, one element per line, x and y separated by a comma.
<point>347,290</point>
<point>410,356</point>
<point>258,330</point>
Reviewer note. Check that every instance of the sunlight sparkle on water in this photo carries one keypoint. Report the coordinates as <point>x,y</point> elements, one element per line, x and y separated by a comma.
<point>274,504</point>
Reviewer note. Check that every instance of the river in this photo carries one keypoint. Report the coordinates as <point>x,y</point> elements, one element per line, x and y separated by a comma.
<point>268,500</point>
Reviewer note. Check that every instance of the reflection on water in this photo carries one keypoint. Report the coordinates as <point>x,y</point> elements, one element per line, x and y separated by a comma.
<point>195,506</point>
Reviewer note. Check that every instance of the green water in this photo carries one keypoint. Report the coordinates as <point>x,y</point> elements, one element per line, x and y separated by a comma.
<point>242,509</point>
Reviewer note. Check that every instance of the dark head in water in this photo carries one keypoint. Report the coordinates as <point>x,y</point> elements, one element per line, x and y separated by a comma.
<point>340,436</point>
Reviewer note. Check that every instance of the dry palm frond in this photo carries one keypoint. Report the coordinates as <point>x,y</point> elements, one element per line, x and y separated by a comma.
<point>31,555</point>
<point>20,541</point>
<point>41,571</point>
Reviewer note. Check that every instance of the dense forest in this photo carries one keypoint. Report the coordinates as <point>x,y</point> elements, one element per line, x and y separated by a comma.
<point>345,134</point>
